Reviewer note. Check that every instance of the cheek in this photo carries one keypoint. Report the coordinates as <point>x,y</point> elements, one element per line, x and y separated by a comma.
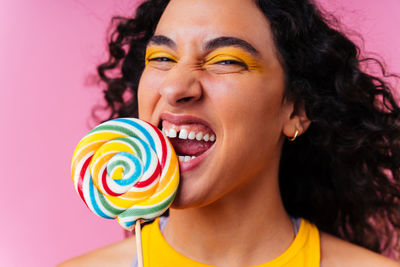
<point>147,95</point>
<point>247,100</point>
<point>250,112</point>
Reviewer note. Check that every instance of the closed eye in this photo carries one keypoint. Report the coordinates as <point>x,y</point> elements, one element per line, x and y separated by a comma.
<point>161,59</point>
<point>231,62</point>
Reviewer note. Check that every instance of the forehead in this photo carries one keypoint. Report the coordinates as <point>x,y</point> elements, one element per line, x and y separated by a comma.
<point>196,21</point>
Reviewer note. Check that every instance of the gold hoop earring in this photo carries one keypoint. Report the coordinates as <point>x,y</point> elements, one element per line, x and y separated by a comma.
<point>294,137</point>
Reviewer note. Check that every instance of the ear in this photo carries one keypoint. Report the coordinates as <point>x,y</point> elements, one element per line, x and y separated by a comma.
<point>297,120</point>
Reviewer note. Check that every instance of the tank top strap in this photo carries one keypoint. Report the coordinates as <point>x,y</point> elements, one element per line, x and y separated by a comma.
<point>296,225</point>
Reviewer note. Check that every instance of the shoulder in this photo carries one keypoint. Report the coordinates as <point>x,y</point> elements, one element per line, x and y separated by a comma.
<point>118,254</point>
<point>337,252</point>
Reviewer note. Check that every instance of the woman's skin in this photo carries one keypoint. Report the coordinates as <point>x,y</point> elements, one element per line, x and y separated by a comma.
<point>215,60</point>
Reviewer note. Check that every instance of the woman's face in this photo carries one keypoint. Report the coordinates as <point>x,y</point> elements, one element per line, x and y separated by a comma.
<point>212,70</point>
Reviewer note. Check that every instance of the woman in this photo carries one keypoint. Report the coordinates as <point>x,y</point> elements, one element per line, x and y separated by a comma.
<point>295,130</point>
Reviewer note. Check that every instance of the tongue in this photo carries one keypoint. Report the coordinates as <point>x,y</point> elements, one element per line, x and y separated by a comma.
<point>189,147</point>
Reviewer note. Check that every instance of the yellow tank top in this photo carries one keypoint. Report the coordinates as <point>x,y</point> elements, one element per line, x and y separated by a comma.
<point>304,250</point>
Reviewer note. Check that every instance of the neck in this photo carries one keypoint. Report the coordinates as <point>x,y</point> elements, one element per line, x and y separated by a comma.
<point>239,229</point>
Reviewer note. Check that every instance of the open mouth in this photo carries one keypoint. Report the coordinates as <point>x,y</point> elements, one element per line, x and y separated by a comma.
<point>189,137</point>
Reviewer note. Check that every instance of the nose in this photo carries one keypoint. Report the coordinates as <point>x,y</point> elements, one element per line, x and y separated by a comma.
<point>182,86</point>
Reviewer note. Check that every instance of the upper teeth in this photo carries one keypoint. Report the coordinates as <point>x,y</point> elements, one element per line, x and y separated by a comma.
<point>172,133</point>
<point>184,134</point>
<point>199,136</point>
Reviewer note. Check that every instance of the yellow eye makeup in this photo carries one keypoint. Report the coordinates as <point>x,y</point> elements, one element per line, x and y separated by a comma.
<point>234,58</point>
<point>159,57</point>
<point>219,61</point>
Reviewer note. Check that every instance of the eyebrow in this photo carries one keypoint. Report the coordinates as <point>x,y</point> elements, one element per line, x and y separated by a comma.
<point>162,40</point>
<point>219,42</point>
<point>225,41</point>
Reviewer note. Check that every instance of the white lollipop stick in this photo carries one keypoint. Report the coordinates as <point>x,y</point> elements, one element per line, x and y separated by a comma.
<point>139,243</point>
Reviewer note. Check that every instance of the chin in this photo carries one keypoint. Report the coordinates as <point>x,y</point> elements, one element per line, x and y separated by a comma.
<point>183,201</point>
<point>186,199</point>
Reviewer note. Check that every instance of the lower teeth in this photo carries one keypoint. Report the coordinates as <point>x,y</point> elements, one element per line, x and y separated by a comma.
<point>185,158</point>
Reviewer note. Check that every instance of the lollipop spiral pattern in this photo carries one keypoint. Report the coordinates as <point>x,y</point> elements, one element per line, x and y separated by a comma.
<point>126,169</point>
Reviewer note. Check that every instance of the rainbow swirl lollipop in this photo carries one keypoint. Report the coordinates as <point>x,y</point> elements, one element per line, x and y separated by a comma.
<point>126,169</point>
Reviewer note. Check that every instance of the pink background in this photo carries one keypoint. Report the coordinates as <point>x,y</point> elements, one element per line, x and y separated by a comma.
<point>48,52</point>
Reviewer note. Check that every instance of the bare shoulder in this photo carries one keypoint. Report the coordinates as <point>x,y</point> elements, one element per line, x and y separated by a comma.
<point>118,254</point>
<point>336,252</point>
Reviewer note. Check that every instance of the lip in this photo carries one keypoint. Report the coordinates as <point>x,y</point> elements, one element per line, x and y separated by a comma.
<point>180,119</point>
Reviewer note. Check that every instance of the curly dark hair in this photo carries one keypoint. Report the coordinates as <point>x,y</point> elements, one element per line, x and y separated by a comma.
<point>343,173</point>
